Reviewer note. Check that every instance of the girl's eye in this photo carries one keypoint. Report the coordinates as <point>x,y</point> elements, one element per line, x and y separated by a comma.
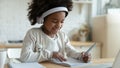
<point>54,21</point>
<point>62,21</point>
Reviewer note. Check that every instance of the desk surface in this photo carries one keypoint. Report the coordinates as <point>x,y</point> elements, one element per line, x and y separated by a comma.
<point>19,45</point>
<point>12,45</point>
<point>95,61</point>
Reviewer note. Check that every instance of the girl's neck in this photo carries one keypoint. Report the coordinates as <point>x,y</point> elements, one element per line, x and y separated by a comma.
<point>47,32</point>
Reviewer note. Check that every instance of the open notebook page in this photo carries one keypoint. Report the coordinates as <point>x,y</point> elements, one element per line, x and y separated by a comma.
<point>103,65</point>
<point>70,62</point>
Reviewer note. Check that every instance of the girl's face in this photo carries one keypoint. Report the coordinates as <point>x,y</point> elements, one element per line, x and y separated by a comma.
<point>53,23</point>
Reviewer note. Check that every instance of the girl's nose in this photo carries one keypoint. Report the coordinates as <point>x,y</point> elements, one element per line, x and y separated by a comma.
<point>58,25</point>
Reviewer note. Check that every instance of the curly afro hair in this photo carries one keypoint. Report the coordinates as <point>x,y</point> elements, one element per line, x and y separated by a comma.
<point>38,7</point>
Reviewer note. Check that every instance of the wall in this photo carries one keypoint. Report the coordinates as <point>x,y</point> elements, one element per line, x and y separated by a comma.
<point>106,31</point>
<point>14,22</point>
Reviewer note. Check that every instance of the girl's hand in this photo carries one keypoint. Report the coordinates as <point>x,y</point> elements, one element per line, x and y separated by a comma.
<point>85,57</point>
<point>58,56</point>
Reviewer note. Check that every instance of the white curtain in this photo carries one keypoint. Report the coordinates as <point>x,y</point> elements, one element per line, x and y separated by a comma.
<point>107,4</point>
<point>116,3</point>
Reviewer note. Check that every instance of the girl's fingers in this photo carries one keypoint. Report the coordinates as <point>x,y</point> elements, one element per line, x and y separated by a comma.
<point>61,58</point>
<point>86,57</point>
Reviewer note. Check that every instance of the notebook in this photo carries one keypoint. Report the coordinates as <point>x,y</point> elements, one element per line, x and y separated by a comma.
<point>71,62</point>
<point>116,64</point>
<point>104,65</point>
<point>25,65</point>
<point>16,63</point>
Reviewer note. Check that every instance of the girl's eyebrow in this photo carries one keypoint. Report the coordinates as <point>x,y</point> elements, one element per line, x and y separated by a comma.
<point>54,19</point>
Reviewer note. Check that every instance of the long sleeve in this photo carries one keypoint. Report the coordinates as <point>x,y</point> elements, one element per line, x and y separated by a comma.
<point>33,51</point>
<point>69,49</point>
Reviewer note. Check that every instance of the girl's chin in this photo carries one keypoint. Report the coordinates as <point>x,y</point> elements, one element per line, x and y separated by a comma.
<point>55,32</point>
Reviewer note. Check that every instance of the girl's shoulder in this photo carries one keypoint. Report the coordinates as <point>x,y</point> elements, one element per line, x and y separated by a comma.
<point>34,30</point>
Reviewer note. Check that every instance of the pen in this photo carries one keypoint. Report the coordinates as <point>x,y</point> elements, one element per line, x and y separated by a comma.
<point>90,48</point>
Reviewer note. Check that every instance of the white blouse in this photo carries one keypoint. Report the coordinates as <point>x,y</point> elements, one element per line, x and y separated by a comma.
<point>38,47</point>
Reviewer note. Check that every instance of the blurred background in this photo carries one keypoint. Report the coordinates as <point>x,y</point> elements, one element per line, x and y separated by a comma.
<point>89,21</point>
